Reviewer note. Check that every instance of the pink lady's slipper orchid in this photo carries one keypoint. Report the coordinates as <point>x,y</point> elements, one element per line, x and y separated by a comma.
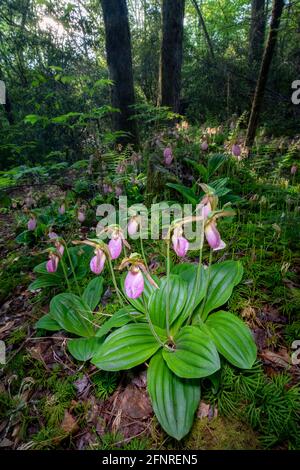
<point>168,156</point>
<point>294,170</point>
<point>81,216</point>
<point>52,235</point>
<point>62,209</point>
<point>204,146</point>
<point>31,225</point>
<point>236,150</point>
<point>180,244</point>
<point>134,283</point>
<point>206,210</point>
<point>133,226</point>
<point>121,168</point>
<point>52,263</point>
<point>60,248</point>
<point>213,237</point>
<point>119,191</point>
<point>115,245</point>
<point>107,188</point>
<point>98,261</point>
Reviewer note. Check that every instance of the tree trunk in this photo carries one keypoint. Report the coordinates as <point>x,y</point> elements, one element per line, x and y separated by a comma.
<point>171,54</point>
<point>257,33</point>
<point>119,60</point>
<point>264,71</point>
<point>203,25</point>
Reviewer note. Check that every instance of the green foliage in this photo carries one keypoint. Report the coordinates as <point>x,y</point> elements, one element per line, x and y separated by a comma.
<point>105,384</point>
<point>270,405</point>
<point>174,400</point>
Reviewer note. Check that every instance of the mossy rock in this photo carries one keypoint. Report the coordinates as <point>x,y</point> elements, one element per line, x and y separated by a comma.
<point>221,434</point>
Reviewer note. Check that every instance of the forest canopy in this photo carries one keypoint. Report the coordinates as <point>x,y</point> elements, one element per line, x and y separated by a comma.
<point>53,63</point>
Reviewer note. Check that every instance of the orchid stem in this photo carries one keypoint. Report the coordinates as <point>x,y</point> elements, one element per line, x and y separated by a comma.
<point>115,282</point>
<point>143,253</point>
<point>199,266</point>
<point>207,285</point>
<point>168,290</point>
<point>73,270</point>
<point>65,274</point>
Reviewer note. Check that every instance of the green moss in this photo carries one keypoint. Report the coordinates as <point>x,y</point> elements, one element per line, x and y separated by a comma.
<point>105,383</point>
<point>221,434</point>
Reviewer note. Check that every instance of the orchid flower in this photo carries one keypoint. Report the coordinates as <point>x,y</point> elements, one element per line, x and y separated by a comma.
<point>213,236</point>
<point>62,209</point>
<point>98,261</point>
<point>31,225</point>
<point>294,170</point>
<point>118,191</point>
<point>81,216</point>
<point>133,226</point>
<point>204,146</point>
<point>115,245</point>
<point>134,283</point>
<point>60,248</point>
<point>236,150</point>
<point>52,235</point>
<point>52,263</point>
<point>168,156</point>
<point>180,244</point>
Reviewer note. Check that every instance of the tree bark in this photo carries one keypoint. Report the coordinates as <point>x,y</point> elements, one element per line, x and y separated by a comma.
<point>119,60</point>
<point>264,71</point>
<point>257,33</point>
<point>171,54</point>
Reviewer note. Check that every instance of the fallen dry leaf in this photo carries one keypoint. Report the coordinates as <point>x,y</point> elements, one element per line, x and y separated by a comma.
<point>280,359</point>
<point>69,424</point>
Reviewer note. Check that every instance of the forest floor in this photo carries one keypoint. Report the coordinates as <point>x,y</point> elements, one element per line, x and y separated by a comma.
<point>49,400</point>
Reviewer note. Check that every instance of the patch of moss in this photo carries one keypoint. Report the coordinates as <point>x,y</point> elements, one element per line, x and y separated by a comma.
<point>221,434</point>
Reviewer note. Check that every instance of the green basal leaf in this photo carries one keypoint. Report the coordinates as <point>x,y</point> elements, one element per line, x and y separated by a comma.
<point>223,277</point>
<point>232,338</point>
<point>72,314</point>
<point>196,288</point>
<point>126,347</point>
<point>47,323</point>
<point>157,304</point>
<point>93,292</point>
<point>194,355</point>
<point>174,400</point>
<point>46,280</point>
<point>120,318</point>
<point>84,349</point>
